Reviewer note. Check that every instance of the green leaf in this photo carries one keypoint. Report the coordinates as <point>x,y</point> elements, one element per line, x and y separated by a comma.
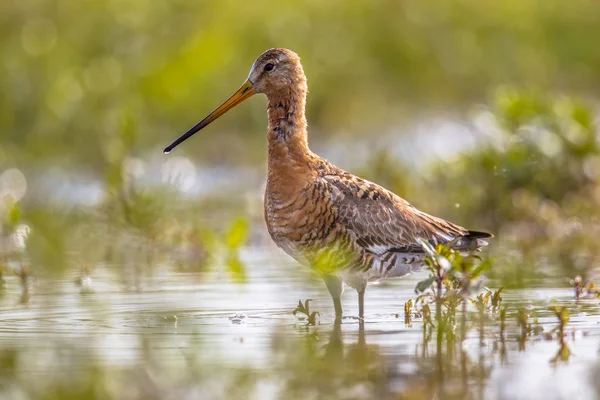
<point>238,234</point>
<point>14,214</point>
<point>482,267</point>
<point>424,285</point>
<point>236,268</point>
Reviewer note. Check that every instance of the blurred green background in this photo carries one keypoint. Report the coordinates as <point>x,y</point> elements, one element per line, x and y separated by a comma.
<point>482,112</point>
<point>71,70</point>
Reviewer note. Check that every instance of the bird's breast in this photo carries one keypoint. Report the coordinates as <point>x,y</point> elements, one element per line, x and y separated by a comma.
<point>300,216</point>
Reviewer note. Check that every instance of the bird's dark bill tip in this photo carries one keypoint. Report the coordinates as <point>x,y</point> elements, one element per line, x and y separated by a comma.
<point>167,150</point>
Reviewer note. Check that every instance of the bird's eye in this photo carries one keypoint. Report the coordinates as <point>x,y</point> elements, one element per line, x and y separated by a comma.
<point>269,67</point>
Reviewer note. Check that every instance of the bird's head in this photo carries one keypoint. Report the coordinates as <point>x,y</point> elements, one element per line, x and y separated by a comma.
<point>277,70</point>
<point>275,73</point>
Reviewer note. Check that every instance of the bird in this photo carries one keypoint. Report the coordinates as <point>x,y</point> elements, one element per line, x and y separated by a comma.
<point>349,230</point>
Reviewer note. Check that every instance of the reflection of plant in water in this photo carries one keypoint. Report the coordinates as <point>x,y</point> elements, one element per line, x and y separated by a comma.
<point>453,276</point>
<point>450,303</point>
<point>305,309</point>
<point>469,276</point>
<point>439,265</point>
<point>502,317</point>
<point>428,324</point>
<point>524,325</point>
<point>562,314</point>
<point>481,303</point>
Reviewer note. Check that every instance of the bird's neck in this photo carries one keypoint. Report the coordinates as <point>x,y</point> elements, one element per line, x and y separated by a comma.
<point>289,155</point>
<point>287,126</point>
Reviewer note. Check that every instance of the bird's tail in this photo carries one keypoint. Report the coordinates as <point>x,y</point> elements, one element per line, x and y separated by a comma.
<point>476,239</point>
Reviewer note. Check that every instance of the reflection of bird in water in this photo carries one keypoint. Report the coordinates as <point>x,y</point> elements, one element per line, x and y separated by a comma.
<point>349,229</point>
<point>335,347</point>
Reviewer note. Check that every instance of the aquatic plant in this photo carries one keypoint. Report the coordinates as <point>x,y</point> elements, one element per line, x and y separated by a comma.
<point>582,288</point>
<point>481,303</point>
<point>438,262</point>
<point>523,323</point>
<point>453,276</point>
<point>496,298</point>
<point>305,309</point>
<point>562,314</point>
<point>468,274</point>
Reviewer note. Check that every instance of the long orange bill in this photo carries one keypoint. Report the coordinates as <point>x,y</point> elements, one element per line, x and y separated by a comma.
<point>246,91</point>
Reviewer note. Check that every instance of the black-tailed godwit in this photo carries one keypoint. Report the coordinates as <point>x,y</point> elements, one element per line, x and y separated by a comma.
<point>351,230</point>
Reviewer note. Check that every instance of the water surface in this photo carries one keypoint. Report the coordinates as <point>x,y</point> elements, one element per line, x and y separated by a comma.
<point>199,335</point>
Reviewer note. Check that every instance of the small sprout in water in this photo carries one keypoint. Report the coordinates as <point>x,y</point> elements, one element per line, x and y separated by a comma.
<point>408,307</point>
<point>305,309</point>
<point>481,301</point>
<point>496,298</point>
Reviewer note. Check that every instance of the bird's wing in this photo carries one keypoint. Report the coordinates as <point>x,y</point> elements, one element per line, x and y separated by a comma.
<point>383,222</point>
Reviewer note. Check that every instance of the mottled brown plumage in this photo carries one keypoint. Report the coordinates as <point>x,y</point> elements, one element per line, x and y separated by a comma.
<point>349,229</point>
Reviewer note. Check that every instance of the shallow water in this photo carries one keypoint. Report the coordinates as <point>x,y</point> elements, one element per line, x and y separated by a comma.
<point>181,331</point>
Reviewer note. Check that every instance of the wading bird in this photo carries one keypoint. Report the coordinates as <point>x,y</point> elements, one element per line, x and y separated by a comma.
<point>351,230</point>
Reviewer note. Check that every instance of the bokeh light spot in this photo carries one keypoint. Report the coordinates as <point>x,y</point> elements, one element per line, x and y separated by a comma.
<point>38,36</point>
<point>180,172</point>
<point>133,168</point>
<point>13,184</point>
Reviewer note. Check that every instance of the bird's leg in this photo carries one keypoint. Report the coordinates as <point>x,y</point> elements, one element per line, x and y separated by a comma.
<point>336,287</point>
<point>361,304</point>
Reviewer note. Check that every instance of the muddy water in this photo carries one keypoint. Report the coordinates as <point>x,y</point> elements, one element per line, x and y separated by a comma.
<point>202,336</point>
